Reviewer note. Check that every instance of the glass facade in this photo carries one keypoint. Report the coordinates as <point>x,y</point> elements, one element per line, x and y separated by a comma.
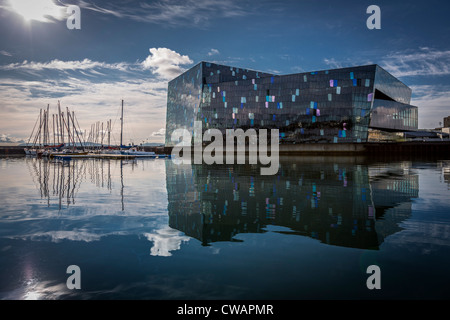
<point>329,106</point>
<point>393,115</point>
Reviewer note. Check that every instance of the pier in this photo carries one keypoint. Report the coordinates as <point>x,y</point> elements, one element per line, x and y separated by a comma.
<point>19,150</point>
<point>440,148</point>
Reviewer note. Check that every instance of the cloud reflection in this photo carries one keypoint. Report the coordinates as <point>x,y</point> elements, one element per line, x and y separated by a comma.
<point>165,240</point>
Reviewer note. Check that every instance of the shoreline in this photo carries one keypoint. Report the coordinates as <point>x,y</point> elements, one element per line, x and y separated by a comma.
<point>431,148</point>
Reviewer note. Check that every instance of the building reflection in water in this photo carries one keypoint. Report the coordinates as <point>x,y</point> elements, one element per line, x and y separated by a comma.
<point>445,165</point>
<point>337,202</point>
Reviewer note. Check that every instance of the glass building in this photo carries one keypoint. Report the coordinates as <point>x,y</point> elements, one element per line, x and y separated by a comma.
<point>329,106</point>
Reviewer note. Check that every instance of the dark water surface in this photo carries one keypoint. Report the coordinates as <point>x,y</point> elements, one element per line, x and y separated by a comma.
<point>150,229</point>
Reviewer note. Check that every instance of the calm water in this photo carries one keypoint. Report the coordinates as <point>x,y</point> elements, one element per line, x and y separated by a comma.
<point>150,229</point>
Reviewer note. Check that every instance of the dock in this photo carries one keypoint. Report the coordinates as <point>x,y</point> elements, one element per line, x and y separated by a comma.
<point>95,156</point>
<point>408,149</point>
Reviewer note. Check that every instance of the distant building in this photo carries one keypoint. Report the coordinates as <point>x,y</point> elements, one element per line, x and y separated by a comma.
<point>348,105</point>
<point>447,122</point>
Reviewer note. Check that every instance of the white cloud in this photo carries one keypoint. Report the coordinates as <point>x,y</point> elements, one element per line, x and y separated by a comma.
<point>56,64</point>
<point>213,52</point>
<point>409,63</point>
<point>274,71</point>
<point>9,139</point>
<point>332,63</point>
<point>5,53</point>
<point>433,103</point>
<point>160,133</point>
<point>115,11</point>
<point>425,62</point>
<point>165,63</point>
<point>171,12</point>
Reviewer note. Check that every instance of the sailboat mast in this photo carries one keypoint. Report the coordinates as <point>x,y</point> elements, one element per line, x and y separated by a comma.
<point>57,127</point>
<point>44,131</point>
<point>73,129</point>
<point>53,128</point>
<point>68,125</point>
<point>121,127</point>
<point>61,127</point>
<point>47,131</point>
<point>103,134</point>
<point>40,126</point>
<point>109,133</point>
<point>29,139</point>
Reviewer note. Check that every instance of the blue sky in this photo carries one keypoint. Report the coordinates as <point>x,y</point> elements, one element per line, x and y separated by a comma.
<point>130,49</point>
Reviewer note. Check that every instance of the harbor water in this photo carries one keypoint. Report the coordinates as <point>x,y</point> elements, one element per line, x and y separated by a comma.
<point>152,229</point>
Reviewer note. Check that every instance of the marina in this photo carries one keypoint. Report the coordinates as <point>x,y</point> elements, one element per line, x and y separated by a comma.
<point>68,142</point>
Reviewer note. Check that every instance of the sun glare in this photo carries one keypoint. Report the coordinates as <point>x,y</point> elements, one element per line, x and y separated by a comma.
<point>38,10</point>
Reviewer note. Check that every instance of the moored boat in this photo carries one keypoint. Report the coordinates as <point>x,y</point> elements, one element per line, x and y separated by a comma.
<point>139,153</point>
